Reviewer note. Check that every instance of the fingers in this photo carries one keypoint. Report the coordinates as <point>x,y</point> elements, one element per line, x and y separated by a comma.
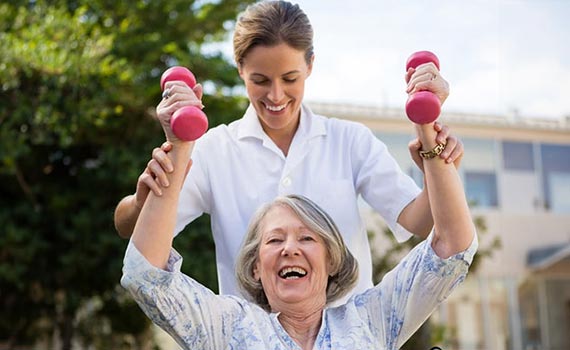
<point>160,165</point>
<point>161,159</point>
<point>175,91</point>
<point>442,132</point>
<point>408,75</point>
<point>453,152</point>
<point>427,77</point>
<point>145,184</point>
<point>199,91</point>
<point>166,146</point>
<point>176,95</point>
<point>454,149</point>
<point>421,78</point>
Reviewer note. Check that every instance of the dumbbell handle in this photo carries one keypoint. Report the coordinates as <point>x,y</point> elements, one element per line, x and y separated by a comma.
<point>189,122</point>
<point>422,107</point>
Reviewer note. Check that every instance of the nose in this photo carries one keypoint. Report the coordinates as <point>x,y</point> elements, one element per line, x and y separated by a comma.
<point>276,92</point>
<point>290,247</point>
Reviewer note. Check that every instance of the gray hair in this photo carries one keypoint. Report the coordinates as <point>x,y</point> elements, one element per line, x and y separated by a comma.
<point>271,23</point>
<point>344,265</point>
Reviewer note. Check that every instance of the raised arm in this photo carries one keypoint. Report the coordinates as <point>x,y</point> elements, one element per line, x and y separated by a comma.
<point>417,216</point>
<point>453,224</point>
<point>409,293</point>
<point>154,229</point>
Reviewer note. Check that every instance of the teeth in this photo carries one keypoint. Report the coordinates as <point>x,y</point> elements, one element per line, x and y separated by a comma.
<point>298,272</point>
<point>276,108</point>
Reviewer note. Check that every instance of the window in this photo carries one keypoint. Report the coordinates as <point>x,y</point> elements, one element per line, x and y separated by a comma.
<point>481,188</point>
<point>479,172</point>
<point>518,156</point>
<point>556,177</point>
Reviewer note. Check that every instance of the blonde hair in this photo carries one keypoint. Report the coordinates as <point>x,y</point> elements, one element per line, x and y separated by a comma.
<point>271,23</point>
<point>344,265</point>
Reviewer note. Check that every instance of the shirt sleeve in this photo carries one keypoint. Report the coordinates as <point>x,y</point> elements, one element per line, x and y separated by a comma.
<point>381,181</point>
<point>409,293</point>
<point>192,314</point>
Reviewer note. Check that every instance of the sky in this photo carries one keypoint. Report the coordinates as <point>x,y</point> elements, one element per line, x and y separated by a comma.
<point>500,57</point>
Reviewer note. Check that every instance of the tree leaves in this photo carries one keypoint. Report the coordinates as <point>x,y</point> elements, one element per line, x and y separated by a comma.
<point>79,84</point>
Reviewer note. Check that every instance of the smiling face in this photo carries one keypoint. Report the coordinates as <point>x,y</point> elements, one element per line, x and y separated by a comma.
<point>293,263</point>
<point>274,78</point>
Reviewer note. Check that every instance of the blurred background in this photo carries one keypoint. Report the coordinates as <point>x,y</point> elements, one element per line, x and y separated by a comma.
<point>79,84</point>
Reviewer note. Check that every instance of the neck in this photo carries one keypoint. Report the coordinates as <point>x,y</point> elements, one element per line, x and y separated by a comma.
<point>303,328</point>
<point>282,140</point>
<point>283,137</point>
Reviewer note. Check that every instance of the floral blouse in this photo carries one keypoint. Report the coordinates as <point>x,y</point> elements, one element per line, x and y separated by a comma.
<point>383,317</point>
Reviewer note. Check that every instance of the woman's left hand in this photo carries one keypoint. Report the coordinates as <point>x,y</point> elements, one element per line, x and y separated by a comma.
<point>453,151</point>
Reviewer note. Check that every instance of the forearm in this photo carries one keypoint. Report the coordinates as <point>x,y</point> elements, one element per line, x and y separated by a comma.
<point>416,217</point>
<point>154,229</point>
<point>126,215</point>
<point>447,202</point>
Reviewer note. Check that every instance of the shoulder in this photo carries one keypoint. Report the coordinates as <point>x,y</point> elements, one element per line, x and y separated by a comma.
<point>217,133</point>
<point>352,135</point>
<point>217,138</point>
<point>341,126</point>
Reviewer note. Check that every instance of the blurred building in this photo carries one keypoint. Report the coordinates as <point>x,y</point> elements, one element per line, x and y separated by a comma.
<point>516,173</point>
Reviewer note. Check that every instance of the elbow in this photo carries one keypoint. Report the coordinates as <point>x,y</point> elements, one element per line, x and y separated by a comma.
<point>449,244</point>
<point>128,282</point>
<point>124,234</point>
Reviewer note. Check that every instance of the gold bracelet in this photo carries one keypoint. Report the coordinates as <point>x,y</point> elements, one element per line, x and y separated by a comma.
<point>436,151</point>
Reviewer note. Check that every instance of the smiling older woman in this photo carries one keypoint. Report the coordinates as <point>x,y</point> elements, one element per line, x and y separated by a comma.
<point>292,264</point>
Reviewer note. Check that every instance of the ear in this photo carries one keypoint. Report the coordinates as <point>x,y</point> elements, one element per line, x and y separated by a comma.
<point>331,271</point>
<point>310,66</point>
<point>256,271</point>
<point>240,70</point>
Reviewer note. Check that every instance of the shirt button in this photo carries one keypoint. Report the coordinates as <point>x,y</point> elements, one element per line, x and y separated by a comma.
<point>286,182</point>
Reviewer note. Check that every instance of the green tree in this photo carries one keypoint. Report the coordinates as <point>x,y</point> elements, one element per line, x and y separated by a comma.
<point>79,82</point>
<point>382,263</point>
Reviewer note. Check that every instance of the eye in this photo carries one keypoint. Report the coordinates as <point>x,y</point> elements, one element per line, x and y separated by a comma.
<point>260,81</point>
<point>308,238</point>
<point>290,80</point>
<point>273,240</point>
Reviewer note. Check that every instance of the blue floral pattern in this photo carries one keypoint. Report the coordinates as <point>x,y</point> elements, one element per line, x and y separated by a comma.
<point>383,317</point>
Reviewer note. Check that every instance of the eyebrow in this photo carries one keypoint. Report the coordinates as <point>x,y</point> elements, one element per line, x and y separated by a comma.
<point>281,230</point>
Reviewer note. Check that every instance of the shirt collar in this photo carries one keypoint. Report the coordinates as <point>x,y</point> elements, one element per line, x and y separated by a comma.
<point>310,125</point>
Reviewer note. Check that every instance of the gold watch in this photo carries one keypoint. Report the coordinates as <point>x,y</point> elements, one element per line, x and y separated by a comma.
<point>436,151</point>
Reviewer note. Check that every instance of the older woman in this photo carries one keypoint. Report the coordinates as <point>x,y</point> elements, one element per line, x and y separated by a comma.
<point>292,264</point>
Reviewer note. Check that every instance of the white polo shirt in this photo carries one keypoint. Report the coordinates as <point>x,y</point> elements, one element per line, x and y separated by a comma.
<point>237,168</point>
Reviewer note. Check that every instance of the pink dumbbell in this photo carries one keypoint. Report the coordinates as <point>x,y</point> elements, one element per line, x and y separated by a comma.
<point>189,122</point>
<point>422,107</point>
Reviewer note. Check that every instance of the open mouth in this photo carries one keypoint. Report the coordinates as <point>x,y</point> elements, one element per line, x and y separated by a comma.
<point>292,273</point>
<point>275,108</point>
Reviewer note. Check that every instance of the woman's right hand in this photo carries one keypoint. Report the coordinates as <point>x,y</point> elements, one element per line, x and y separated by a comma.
<point>178,95</point>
